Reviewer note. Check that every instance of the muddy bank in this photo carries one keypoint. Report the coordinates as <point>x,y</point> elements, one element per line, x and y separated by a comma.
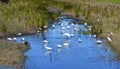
<point>115,44</point>
<point>11,53</point>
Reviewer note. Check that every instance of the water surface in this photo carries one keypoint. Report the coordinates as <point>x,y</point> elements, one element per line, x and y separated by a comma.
<point>85,55</point>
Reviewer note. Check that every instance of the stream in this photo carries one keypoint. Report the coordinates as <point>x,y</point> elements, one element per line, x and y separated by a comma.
<point>84,54</point>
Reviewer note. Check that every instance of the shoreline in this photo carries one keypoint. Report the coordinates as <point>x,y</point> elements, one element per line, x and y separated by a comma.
<point>12,53</point>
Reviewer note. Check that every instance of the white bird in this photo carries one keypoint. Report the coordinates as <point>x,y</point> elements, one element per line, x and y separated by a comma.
<point>48,48</point>
<point>71,35</point>
<point>59,23</point>
<point>45,26</point>
<point>66,35</point>
<point>14,38</point>
<point>22,39</point>
<point>59,46</point>
<point>19,34</point>
<point>98,19</point>
<point>111,33</point>
<point>94,36</point>
<point>89,29</point>
<point>75,29</point>
<point>99,41</point>
<point>38,31</point>
<point>109,39</point>
<point>65,44</point>
<point>68,27</point>
<point>85,24</point>
<point>63,28</point>
<point>45,41</point>
<point>9,39</point>
<point>72,24</point>
<point>53,26</point>
<point>79,40</point>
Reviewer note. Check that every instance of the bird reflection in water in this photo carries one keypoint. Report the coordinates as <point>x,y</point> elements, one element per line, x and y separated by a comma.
<point>59,49</point>
<point>49,53</point>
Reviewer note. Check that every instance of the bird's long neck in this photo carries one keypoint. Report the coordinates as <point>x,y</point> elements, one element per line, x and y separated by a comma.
<point>45,45</point>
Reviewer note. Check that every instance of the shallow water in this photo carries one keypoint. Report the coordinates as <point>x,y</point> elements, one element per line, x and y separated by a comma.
<point>85,55</point>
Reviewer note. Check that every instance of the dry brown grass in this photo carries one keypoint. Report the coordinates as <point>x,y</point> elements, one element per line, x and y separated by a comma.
<point>11,53</point>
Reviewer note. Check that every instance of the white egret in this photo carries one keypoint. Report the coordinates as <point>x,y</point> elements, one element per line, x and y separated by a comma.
<point>59,46</point>
<point>45,41</point>
<point>48,48</point>
<point>65,44</point>
<point>79,40</point>
<point>63,28</point>
<point>14,38</point>
<point>9,39</point>
<point>71,35</point>
<point>19,34</point>
<point>85,24</point>
<point>99,41</point>
<point>109,39</point>
<point>66,35</point>
<point>75,29</point>
<point>22,39</point>
<point>94,36</point>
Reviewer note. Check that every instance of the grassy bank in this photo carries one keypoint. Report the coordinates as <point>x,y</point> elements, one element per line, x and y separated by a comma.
<point>25,15</point>
<point>107,1</point>
<point>11,53</point>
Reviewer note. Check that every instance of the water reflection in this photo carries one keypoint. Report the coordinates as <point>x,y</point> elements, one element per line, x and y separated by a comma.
<point>59,50</point>
<point>49,54</point>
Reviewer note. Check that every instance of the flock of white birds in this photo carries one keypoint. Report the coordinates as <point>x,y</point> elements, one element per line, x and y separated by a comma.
<point>67,35</point>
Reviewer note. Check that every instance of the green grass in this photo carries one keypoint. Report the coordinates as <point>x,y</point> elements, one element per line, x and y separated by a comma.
<point>111,1</point>
<point>31,14</point>
<point>17,16</point>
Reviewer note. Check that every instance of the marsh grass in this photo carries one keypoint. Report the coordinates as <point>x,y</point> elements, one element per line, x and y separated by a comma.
<point>22,15</point>
<point>108,13</point>
<point>34,14</point>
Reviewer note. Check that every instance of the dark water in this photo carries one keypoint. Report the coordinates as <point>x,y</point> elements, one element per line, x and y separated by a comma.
<point>85,55</point>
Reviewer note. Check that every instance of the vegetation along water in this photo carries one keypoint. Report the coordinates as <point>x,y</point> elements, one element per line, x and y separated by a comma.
<point>25,17</point>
